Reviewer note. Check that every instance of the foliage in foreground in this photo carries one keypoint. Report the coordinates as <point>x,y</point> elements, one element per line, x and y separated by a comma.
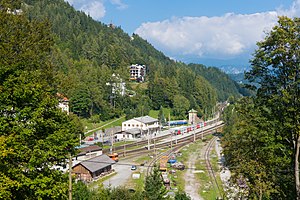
<point>262,137</point>
<point>34,134</point>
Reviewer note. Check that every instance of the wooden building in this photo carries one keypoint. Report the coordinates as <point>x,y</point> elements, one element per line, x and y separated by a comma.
<point>92,168</point>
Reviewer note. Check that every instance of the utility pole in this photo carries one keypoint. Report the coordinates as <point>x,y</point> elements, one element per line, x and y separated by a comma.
<point>70,176</point>
<point>171,134</point>
<point>125,147</point>
<point>154,149</point>
<point>148,140</point>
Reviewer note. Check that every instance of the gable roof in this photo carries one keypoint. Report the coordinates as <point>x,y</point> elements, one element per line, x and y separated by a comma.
<point>146,119</point>
<point>96,163</point>
<point>113,130</point>
<point>85,150</point>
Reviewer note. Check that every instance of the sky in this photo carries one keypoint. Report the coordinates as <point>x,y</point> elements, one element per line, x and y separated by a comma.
<point>211,32</point>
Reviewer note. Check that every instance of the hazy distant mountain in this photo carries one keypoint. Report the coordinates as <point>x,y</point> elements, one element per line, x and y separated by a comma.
<point>229,66</point>
<point>231,69</point>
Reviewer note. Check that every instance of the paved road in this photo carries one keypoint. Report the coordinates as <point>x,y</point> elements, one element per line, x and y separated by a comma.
<point>123,169</point>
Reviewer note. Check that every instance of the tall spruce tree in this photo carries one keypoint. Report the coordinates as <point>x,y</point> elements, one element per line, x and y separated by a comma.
<point>154,187</point>
<point>34,134</point>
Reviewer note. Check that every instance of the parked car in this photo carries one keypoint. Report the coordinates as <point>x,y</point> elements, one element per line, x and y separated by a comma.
<point>133,167</point>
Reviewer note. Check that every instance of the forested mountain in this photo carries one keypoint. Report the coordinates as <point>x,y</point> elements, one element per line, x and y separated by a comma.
<point>218,79</point>
<point>86,54</point>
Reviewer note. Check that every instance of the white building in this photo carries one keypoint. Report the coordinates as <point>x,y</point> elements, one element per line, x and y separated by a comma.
<point>145,124</point>
<point>129,134</point>
<point>193,119</point>
<point>63,103</point>
<point>118,86</point>
<point>137,72</point>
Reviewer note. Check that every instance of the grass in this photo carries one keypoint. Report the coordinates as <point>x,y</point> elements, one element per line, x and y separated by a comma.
<point>207,190</point>
<point>215,165</point>
<point>142,159</point>
<point>101,125</point>
<point>135,85</point>
<point>137,184</point>
<point>154,113</point>
<point>186,151</point>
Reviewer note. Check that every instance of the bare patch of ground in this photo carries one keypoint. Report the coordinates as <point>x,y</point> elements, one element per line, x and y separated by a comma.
<point>192,185</point>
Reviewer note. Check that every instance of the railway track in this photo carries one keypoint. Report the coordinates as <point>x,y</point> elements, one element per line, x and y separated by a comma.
<point>158,138</point>
<point>209,166</point>
<point>168,144</point>
<point>167,153</point>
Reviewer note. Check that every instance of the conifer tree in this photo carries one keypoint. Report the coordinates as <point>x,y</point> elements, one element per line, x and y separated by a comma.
<point>154,187</point>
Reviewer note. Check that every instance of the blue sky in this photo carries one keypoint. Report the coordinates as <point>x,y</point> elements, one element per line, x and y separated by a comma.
<point>209,32</point>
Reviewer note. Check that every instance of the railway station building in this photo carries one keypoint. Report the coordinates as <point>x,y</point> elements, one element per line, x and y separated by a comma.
<point>146,125</point>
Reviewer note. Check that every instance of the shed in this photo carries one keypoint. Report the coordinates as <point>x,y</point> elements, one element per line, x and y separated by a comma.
<point>90,169</point>
<point>88,152</point>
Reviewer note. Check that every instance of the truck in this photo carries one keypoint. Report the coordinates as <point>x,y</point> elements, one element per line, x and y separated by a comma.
<point>163,163</point>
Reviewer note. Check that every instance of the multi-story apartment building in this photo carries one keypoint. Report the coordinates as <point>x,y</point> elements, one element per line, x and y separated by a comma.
<point>137,72</point>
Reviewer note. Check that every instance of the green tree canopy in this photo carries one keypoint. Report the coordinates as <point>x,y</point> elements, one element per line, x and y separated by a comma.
<point>262,143</point>
<point>34,134</point>
<point>276,69</point>
<point>181,106</point>
<point>154,188</point>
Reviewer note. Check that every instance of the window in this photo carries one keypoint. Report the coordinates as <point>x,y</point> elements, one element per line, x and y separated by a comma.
<point>124,124</point>
<point>128,124</point>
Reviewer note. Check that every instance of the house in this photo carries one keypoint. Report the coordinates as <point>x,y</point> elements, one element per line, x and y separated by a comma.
<point>63,103</point>
<point>118,86</point>
<point>113,133</point>
<point>88,152</point>
<point>137,72</point>
<point>146,125</point>
<point>91,169</point>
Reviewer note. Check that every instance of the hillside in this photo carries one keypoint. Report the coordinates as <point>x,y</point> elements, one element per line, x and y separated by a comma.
<point>86,54</point>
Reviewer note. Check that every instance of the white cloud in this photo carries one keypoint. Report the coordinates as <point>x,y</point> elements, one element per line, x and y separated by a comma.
<point>95,9</point>
<point>293,11</point>
<point>222,37</point>
<point>226,36</point>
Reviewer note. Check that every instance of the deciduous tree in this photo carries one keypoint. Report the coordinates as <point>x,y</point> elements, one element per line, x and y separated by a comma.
<point>34,134</point>
<point>276,69</point>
